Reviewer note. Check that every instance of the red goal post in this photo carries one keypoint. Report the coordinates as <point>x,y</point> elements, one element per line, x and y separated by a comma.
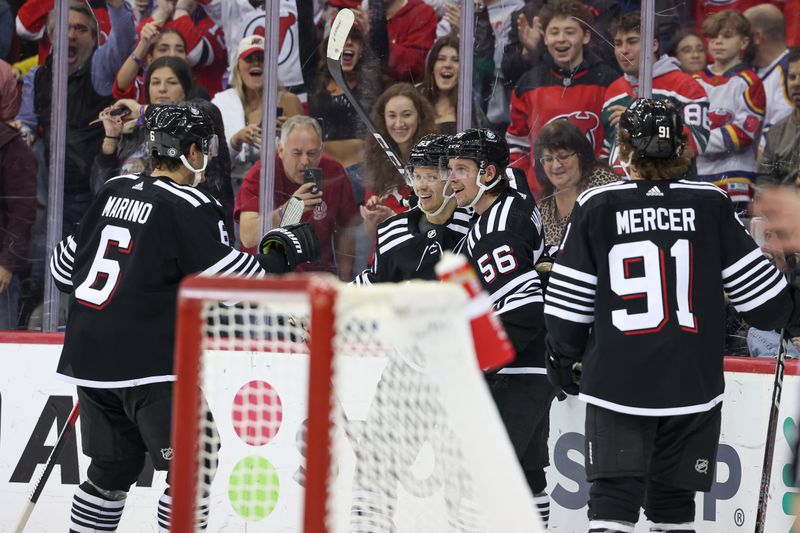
<point>401,431</point>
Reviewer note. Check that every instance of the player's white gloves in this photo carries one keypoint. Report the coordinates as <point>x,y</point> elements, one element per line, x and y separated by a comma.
<point>297,241</point>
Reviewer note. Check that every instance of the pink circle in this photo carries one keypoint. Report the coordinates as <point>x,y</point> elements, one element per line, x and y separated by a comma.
<point>256,413</point>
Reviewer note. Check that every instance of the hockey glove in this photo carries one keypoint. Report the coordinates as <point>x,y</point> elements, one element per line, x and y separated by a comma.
<point>543,267</point>
<point>297,241</point>
<point>563,372</point>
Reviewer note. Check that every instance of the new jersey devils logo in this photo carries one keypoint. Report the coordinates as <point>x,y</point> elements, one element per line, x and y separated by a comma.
<point>720,117</point>
<point>587,121</point>
<point>286,38</point>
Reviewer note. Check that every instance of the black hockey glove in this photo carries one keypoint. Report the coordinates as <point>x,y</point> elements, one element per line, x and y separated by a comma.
<point>297,241</point>
<point>543,267</point>
<point>563,372</point>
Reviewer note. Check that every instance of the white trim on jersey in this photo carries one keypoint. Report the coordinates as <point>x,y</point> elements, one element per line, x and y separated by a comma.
<point>700,186</point>
<point>391,225</point>
<point>550,309</point>
<point>235,262</point>
<point>569,272</point>
<point>395,242</point>
<point>178,193</point>
<point>751,281</point>
<point>645,411</point>
<point>124,176</point>
<point>609,525</point>
<point>586,195</point>
<point>115,384</point>
<point>517,370</point>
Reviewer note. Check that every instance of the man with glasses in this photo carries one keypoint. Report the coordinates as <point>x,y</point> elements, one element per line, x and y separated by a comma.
<point>503,244</point>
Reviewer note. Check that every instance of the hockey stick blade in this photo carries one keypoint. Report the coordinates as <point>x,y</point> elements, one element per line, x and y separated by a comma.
<point>340,29</point>
<point>63,437</point>
<point>293,212</point>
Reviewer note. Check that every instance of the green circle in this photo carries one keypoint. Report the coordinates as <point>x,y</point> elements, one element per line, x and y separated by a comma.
<point>253,488</point>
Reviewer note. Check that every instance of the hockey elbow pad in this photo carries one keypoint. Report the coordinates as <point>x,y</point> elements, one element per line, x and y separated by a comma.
<point>297,241</point>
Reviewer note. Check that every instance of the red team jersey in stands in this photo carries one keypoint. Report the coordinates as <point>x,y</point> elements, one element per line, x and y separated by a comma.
<point>669,82</point>
<point>546,93</point>
<point>736,113</point>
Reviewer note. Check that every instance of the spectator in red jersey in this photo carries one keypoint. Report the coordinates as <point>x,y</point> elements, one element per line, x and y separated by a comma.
<point>401,34</point>
<point>203,46</point>
<point>330,211</point>
<point>688,47</point>
<point>569,83</point>
<point>669,82</point>
<point>31,23</point>
<point>736,109</point>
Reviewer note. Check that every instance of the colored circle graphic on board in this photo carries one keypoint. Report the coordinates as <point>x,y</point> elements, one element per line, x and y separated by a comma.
<point>253,488</point>
<point>256,413</point>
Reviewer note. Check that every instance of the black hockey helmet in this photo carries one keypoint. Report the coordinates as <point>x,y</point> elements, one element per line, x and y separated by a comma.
<point>484,146</point>
<point>429,150</point>
<point>172,128</point>
<point>655,128</point>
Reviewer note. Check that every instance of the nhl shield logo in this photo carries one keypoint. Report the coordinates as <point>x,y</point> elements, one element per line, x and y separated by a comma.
<point>166,453</point>
<point>701,465</point>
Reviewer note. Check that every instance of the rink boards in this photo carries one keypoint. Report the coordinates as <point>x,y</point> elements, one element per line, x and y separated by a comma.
<point>33,405</point>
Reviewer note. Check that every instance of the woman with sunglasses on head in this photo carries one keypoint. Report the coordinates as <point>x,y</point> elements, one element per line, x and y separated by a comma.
<point>565,167</point>
<point>169,80</point>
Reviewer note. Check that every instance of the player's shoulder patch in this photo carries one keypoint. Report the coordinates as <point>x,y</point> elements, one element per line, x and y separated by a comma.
<point>595,192</point>
<point>187,194</point>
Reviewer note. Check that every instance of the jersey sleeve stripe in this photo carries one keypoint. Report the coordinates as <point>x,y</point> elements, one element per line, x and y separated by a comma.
<point>557,281</point>
<point>572,306</point>
<point>387,237</point>
<point>552,289</point>
<point>594,191</point>
<point>515,284</point>
<point>755,297</point>
<point>697,186</point>
<point>57,274</point>
<point>752,277</point>
<point>180,194</point>
<point>762,297</point>
<point>124,176</point>
<point>388,246</point>
<point>392,225</point>
<point>741,264</point>
<point>568,272</point>
<point>223,263</point>
<point>510,305</point>
<point>188,189</point>
<point>504,214</point>
<point>552,310</point>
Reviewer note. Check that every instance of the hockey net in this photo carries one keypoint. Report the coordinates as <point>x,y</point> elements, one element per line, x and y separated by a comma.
<point>336,408</point>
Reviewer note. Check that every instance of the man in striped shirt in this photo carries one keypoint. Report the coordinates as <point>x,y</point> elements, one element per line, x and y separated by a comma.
<point>140,237</point>
<point>636,296</point>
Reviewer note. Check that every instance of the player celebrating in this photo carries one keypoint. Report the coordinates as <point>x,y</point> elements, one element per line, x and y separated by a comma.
<point>636,294</point>
<point>410,244</point>
<point>503,244</point>
<point>139,238</point>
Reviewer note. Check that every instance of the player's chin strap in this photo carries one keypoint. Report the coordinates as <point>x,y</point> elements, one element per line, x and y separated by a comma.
<point>446,200</point>
<point>481,187</point>
<point>198,172</point>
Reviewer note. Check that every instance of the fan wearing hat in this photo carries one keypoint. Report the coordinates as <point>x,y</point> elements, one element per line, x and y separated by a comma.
<point>241,106</point>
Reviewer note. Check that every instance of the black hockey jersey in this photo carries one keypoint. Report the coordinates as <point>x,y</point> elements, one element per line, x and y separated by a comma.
<point>408,247</point>
<point>636,292</point>
<point>138,240</point>
<point>503,245</point>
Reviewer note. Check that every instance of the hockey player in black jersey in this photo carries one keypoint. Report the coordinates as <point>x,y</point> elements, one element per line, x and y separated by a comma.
<point>409,244</point>
<point>503,244</point>
<point>636,295</point>
<point>139,238</point>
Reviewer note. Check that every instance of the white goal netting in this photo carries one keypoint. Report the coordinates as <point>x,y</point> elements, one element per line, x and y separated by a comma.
<point>414,439</point>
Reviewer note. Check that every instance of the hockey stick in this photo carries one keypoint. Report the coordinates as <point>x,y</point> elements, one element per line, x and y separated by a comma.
<point>339,32</point>
<point>63,437</point>
<point>772,424</point>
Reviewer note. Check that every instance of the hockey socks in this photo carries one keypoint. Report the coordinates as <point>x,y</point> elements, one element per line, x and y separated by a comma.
<point>542,501</point>
<point>687,527</point>
<point>165,513</point>
<point>610,526</point>
<point>93,511</point>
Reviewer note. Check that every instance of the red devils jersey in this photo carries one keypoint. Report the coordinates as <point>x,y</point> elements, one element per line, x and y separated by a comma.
<point>546,93</point>
<point>636,293</point>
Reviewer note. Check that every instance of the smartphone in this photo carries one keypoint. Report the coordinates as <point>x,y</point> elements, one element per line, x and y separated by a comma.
<point>313,175</point>
<point>279,113</point>
<point>120,111</point>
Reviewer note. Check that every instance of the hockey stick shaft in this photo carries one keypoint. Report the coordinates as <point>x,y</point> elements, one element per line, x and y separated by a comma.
<point>63,438</point>
<point>772,426</point>
<point>339,32</point>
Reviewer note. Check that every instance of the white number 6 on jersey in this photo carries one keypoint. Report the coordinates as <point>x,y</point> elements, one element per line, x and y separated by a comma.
<point>102,267</point>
